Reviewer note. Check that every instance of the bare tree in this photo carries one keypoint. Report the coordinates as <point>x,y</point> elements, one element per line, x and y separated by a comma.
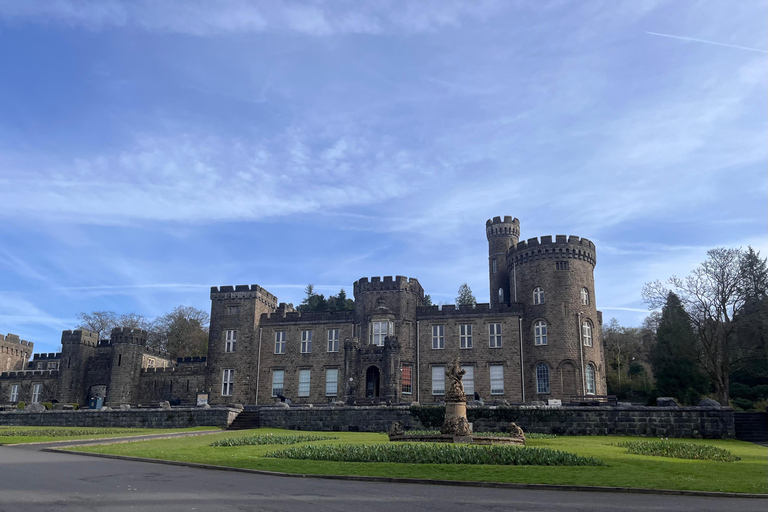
<point>712,296</point>
<point>99,322</point>
<point>183,332</point>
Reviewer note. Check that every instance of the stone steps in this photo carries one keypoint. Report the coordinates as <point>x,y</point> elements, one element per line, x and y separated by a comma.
<point>245,420</point>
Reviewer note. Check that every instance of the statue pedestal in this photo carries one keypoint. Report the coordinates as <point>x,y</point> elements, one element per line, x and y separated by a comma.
<point>454,411</point>
<point>456,419</point>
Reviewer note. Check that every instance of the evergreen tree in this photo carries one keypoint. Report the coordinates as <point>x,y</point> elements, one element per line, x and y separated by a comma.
<point>465,298</point>
<point>674,357</point>
<point>427,301</point>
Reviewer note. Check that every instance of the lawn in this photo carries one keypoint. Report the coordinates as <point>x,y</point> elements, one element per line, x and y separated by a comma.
<point>748,475</point>
<point>18,435</point>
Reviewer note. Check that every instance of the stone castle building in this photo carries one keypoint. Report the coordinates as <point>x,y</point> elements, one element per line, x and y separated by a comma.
<point>537,339</point>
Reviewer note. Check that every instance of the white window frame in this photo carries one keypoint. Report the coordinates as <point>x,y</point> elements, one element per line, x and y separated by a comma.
<point>496,373</point>
<point>469,381</point>
<point>276,391</point>
<point>150,362</point>
<point>438,337</point>
<point>542,379</point>
<point>331,381</point>
<point>540,333</point>
<point>14,393</point>
<point>438,380</point>
<point>590,378</point>
<point>494,335</point>
<point>280,342</point>
<point>333,340</point>
<point>37,391</point>
<point>380,329</point>
<point>584,297</point>
<point>407,390</point>
<point>465,336</point>
<point>227,382</point>
<point>305,380</point>
<point>230,340</point>
<point>306,341</point>
<point>538,296</point>
<point>586,333</point>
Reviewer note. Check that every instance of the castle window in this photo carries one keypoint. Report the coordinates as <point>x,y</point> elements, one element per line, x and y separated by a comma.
<point>561,265</point>
<point>333,340</point>
<point>494,268</point>
<point>380,330</point>
<point>407,380</point>
<point>469,381</point>
<point>494,335</point>
<point>331,381</point>
<point>497,379</point>
<point>540,332</point>
<point>14,393</point>
<point>438,337</point>
<point>233,310</point>
<point>438,380</point>
<point>465,338</point>
<point>586,333</point>
<point>538,296</point>
<point>589,373</point>
<point>53,365</point>
<point>306,342</point>
<point>501,294</point>
<point>227,382</point>
<point>37,390</point>
<point>278,377</point>
<point>40,366</point>
<point>542,378</point>
<point>280,342</point>
<point>231,339</point>
<point>585,297</point>
<point>304,379</point>
<point>119,359</point>
<point>150,363</point>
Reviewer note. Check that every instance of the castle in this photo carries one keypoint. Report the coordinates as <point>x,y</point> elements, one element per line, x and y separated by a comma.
<point>537,339</point>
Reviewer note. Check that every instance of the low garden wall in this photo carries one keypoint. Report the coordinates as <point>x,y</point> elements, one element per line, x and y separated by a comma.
<point>694,422</point>
<point>133,418</point>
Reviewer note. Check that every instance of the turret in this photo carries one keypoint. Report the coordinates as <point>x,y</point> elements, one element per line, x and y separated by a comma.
<point>502,234</point>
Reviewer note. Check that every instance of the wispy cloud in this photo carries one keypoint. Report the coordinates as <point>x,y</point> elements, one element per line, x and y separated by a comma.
<point>695,40</point>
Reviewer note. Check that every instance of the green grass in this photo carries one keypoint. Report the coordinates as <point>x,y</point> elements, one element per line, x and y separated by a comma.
<point>679,450</point>
<point>18,435</point>
<point>268,439</point>
<point>750,474</point>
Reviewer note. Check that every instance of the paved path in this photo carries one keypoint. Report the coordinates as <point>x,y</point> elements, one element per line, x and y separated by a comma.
<point>31,480</point>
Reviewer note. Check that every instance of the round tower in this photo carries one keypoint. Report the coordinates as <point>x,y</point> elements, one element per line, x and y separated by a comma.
<point>128,347</point>
<point>560,328</point>
<point>502,235</point>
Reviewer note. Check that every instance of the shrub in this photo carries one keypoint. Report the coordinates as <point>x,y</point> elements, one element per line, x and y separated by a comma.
<point>742,404</point>
<point>48,405</point>
<point>269,439</point>
<point>75,405</point>
<point>62,431</point>
<point>676,450</point>
<point>430,453</point>
<point>21,405</point>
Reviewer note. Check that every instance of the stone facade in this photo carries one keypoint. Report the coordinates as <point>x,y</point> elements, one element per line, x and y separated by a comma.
<point>178,417</point>
<point>14,353</point>
<point>537,339</point>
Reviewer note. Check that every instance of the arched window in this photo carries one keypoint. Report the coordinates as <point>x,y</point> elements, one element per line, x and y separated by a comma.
<point>538,295</point>
<point>540,332</point>
<point>590,374</point>
<point>501,294</point>
<point>586,333</point>
<point>494,269</point>
<point>585,297</point>
<point>542,378</point>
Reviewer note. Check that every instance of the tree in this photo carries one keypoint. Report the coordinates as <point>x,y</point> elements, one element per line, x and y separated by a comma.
<point>183,332</point>
<point>673,358</point>
<point>99,322</point>
<point>626,359</point>
<point>465,298</point>
<point>426,301</point>
<point>340,302</point>
<point>712,297</point>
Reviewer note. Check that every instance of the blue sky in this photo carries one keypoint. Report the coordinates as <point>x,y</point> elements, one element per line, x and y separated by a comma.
<point>150,150</point>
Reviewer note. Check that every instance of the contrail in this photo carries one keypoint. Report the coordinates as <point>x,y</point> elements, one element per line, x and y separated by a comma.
<point>683,38</point>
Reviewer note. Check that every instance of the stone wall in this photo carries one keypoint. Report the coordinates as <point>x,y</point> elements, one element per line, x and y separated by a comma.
<point>133,418</point>
<point>694,422</point>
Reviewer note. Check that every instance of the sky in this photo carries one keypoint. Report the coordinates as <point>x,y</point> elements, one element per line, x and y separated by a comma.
<point>152,149</point>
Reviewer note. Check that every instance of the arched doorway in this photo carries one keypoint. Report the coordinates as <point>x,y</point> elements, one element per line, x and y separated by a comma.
<point>372,378</point>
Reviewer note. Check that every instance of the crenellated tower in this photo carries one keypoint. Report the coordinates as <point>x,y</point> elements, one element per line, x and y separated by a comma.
<point>77,349</point>
<point>502,234</point>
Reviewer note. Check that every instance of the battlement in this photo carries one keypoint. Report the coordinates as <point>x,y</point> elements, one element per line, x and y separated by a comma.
<point>387,283</point>
<point>481,309</point>
<point>80,336</point>
<point>308,317</point>
<point>562,247</point>
<point>43,357</point>
<point>30,374</point>
<point>244,291</point>
<point>175,370</point>
<point>14,339</point>
<point>506,227</point>
<point>191,360</point>
<point>126,335</point>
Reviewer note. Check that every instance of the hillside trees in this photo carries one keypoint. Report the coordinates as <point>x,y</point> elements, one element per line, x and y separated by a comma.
<point>317,302</point>
<point>626,357</point>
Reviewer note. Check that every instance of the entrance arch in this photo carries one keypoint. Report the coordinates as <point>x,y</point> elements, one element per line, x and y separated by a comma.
<point>372,379</point>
